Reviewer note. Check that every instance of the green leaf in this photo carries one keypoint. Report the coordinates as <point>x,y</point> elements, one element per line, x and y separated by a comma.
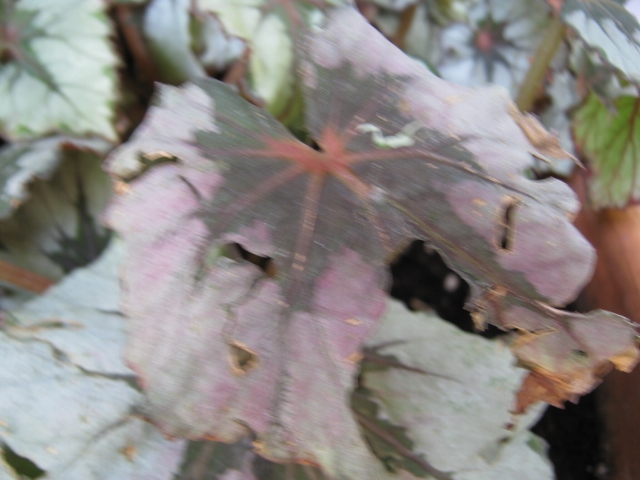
<point>611,142</point>
<point>454,417</point>
<point>166,29</point>
<point>58,228</point>
<point>20,164</point>
<point>58,70</point>
<point>495,46</point>
<point>67,401</point>
<point>610,30</point>
<point>6,472</point>
<point>80,317</point>
<point>270,27</point>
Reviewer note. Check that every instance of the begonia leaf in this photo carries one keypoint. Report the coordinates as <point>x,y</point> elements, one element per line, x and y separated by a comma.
<point>611,143</point>
<point>20,164</point>
<point>166,29</point>
<point>610,30</point>
<point>452,414</point>
<point>80,317</point>
<point>223,349</point>
<point>6,472</point>
<point>496,44</point>
<point>57,227</point>
<point>67,403</point>
<point>270,27</point>
<point>208,460</point>
<point>58,70</point>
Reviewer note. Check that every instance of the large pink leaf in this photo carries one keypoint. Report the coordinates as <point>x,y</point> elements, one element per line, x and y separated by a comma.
<point>222,349</point>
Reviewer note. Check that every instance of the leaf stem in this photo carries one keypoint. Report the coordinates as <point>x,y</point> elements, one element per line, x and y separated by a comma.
<point>406,19</point>
<point>540,65</point>
<point>135,42</point>
<point>24,279</point>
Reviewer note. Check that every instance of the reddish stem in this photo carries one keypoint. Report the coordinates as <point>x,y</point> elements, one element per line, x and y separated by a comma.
<point>24,279</point>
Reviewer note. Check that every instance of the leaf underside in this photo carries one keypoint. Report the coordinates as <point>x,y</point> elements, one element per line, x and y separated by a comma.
<point>223,349</point>
<point>608,29</point>
<point>611,142</point>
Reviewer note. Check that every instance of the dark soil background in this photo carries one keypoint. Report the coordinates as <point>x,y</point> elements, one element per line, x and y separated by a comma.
<point>574,434</point>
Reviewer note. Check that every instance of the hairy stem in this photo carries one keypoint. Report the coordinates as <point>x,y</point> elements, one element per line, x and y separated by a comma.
<point>540,65</point>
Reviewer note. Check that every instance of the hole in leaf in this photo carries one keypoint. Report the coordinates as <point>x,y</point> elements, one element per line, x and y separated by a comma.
<point>21,465</point>
<point>266,264</point>
<point>313,144</point>
<point>419,274</point>
<point>243,359</point>
<point>506,224</point>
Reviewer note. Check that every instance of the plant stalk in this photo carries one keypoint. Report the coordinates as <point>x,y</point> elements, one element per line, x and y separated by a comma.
<point>406,19</point>
<point>546,51</point>
<point>24,279</point>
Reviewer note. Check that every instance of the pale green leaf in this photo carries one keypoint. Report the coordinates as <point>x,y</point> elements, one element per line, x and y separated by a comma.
<point>454,399</point>
<point>22,163</point>
<point>80,317</point>
<point>611,142</point>
<point>6,472</point>
<point>60,73</point>
<point>216,49</point>
<point>166,29</point>
<point>608,28</point>
<point>58,228</point>
<point>68,413</point>
<point>495,46</point>
<point>269,28</point>
<point>269,37</point>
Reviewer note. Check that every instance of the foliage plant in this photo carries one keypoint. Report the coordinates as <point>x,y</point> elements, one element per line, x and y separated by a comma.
<point>292,152</point>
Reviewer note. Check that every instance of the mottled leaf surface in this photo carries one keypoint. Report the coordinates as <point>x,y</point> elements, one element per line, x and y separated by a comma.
<point>495,45</point>
<point>401,155</point>
<point>57,228</point>
<point>229,355</point>
<point>22,163</point>
<point>80,317</point>
<point>59,69</point>
<point>453,412</point>
<point>607,27</point>
<point>69,409</point>
<point>270,28</point>
<point>611,142</point>
<point>207,460</point>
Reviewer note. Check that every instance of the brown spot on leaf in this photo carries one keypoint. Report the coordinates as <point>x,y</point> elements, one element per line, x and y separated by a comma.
<point>130,452</point>
<point>354,358</point>
<point>243,359</point>
<point>121,188</point>
<point>353,321</point>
